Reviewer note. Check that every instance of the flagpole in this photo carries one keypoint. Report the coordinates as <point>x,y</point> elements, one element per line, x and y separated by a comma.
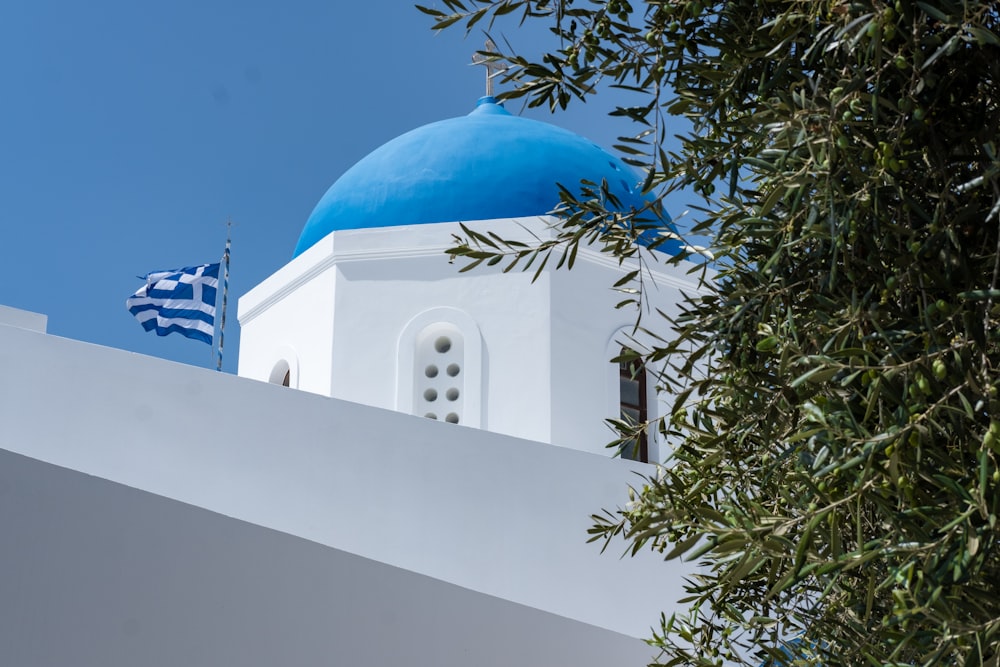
<point>225,292</point>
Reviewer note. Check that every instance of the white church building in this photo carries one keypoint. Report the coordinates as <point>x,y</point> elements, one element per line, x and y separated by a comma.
<point>418,453</point>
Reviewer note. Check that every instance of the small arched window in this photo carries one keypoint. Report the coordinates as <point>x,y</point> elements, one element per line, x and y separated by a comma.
<point>631,395</point>
<point>285,371</point>
<point>633,399</point>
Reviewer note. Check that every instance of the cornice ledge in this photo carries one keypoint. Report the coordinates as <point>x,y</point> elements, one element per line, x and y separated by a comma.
<point>332,260</point>
<point>651,266</point>
<point>351,255</point>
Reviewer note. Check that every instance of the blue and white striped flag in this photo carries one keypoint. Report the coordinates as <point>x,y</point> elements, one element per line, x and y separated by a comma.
<point>182,300</point>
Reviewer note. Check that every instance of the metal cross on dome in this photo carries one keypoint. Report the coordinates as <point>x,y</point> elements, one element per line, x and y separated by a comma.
<point>493,67</point>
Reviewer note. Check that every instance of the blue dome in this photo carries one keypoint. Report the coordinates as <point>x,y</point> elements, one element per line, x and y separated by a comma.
<point>486,165</point>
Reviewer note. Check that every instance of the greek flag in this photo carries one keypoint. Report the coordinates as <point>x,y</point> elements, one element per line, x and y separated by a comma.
<point>182,300</point>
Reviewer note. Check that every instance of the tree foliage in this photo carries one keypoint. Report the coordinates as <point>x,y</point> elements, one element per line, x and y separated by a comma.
<point>838,466</point>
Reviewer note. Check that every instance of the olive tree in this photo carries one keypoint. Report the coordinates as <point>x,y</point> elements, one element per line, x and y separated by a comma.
<point>837,473</point>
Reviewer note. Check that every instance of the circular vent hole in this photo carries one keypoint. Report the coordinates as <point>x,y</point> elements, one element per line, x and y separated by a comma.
<point>431,371</point>
<point>454,369</point>
<point>431,415</point>
<point>442,344</point>
<point>430,395</point>
<point>452,394</point>
<point>452,418</point>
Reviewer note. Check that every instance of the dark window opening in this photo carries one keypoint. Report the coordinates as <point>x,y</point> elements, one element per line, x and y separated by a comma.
<point>632,401</point>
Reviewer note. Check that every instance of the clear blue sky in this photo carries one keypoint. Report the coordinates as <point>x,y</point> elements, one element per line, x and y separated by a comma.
<point>130,131</point>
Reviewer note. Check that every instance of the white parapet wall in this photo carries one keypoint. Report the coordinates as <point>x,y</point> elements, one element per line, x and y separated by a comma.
<point>491,513</point>
<point>97,574</point>
<point>23,319</point>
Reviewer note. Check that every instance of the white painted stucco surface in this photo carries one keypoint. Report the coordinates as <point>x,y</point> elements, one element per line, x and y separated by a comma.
<point>344,305</point>
<point>24,319</point>
<point>97,574</point>
<point>495,514</point>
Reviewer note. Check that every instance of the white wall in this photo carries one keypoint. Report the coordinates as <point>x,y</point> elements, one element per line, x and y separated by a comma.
<point>96,574</point>
<point>24,319</point>
<point>544,343</point>
<point>346,322</point>
<point>588,331</point>
<point>487,512</point>
<point>289,317</point>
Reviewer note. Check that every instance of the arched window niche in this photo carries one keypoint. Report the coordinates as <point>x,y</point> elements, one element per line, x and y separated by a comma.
<point>440,368</point>
<point>285,368</point>
<point>631,395</point>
